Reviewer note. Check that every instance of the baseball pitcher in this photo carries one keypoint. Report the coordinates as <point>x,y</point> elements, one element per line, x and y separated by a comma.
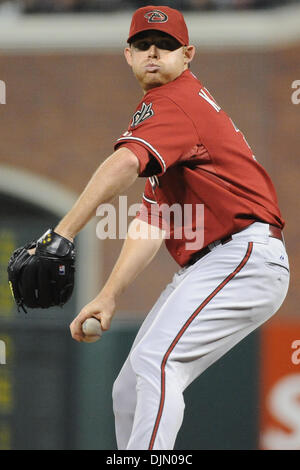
<point>229,282</point>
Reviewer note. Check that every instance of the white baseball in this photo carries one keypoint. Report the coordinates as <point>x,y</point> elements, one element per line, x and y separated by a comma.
<point>92,330</point>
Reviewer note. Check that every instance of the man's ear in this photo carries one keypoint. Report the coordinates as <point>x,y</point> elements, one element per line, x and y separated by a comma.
<point>128,57</point>
<point>189,53</point>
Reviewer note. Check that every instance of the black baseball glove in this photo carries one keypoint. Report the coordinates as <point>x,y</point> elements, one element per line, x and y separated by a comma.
<point>46,278</point>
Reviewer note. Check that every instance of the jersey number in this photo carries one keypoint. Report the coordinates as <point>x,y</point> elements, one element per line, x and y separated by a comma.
<point>237,130</point>
<point>204,94</point>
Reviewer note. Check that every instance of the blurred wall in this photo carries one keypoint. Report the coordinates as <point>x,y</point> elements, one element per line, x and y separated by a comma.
<point>64,111</point>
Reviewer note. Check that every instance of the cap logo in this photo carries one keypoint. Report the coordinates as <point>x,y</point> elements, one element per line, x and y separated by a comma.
<point>156,16</point>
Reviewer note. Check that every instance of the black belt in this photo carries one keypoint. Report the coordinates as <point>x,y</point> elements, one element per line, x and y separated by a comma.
<point>274,232</point>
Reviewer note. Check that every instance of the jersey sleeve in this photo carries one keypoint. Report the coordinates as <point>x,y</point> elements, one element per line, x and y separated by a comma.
<point>148,165</point>
<point>161,127</point>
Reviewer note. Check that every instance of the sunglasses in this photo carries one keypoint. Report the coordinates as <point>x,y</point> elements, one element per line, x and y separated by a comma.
<point>168,44</point>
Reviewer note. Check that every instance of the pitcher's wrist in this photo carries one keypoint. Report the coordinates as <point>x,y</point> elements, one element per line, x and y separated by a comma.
<point>64,232</point>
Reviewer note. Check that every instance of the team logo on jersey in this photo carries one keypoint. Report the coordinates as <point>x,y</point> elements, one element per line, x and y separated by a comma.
<point>142,114</point>
<point>156,16</point>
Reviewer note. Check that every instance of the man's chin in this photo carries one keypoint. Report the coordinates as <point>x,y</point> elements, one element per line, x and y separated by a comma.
<point>153,84</point>
<point>152,81</point>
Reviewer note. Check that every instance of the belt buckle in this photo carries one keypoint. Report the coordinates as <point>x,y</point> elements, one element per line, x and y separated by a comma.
<point>199,254</point>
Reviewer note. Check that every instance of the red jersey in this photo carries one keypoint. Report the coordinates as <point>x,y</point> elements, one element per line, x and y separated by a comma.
<point>195,158</point>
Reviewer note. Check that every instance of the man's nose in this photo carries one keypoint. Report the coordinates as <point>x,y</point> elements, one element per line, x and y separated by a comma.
<point>153,51</point>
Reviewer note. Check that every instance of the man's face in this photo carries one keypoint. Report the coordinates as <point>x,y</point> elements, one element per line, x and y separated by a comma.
<point>157,58</point>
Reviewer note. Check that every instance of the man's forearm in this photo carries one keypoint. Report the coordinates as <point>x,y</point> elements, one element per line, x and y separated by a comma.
<point>135,255</point>
<point>114,175</point>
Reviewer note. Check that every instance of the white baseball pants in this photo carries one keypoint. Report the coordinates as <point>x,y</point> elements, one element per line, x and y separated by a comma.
<point>206,310</point>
